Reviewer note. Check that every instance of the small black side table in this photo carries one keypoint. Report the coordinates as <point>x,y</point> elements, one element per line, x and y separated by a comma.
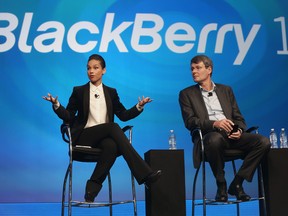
<point>166,197</point>
<point>275,174</point>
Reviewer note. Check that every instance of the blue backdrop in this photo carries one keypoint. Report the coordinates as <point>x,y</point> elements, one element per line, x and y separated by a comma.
<point>44,46</point>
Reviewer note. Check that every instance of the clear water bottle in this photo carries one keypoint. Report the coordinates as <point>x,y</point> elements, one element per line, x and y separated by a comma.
<point>172,140</point>
<point>273,138</point>
<point>283,139</point>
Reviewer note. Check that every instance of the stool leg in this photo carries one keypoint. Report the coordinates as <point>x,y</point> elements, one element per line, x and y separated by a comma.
<point>64,190</point>
<point>234,171</point>
<point>110,194</point>
<point>132,178</point>
<point>70,191</point>
<point>134,195</point>
<point>204,187</point>
<point>261,189</point>
<point>194,191</point>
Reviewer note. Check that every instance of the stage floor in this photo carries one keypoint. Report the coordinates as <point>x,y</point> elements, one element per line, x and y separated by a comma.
<point>54,209</point>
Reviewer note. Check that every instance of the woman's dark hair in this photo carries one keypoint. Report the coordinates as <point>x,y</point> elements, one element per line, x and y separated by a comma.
<point>98,58</point>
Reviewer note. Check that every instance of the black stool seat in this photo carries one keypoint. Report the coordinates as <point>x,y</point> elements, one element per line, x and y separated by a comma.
<point>229,155</point>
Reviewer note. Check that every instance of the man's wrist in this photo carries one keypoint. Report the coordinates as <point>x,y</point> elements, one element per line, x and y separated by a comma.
<point>214,125</point>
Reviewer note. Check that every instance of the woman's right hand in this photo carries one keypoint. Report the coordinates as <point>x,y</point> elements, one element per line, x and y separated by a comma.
<point>49,97</point>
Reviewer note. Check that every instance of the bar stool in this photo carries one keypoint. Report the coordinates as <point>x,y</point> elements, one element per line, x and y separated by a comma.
<point>87,154</point>
<point>229,155</point>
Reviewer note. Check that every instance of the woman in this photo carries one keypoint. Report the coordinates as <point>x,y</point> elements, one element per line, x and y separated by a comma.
<point>90,113</point>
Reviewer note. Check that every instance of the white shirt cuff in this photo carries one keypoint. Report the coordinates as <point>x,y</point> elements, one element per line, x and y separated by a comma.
<point>57,105</point>
<point>140,108</point>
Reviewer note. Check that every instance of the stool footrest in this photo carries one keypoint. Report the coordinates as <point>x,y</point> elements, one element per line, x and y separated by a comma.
<point>230,201</point>
<point>97,204</point>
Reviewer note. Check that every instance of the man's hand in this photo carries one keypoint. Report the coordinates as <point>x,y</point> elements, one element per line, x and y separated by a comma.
<point>224,124</point>
<point>236,135</point>
<point>227,126</point>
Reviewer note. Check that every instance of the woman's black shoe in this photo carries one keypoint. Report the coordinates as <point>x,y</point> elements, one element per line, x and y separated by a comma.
<point>153,177</point>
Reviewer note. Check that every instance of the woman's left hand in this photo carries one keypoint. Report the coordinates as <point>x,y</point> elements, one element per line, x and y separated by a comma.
<point>144,100</point>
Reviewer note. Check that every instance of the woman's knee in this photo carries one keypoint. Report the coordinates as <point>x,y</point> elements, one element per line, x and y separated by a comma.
<point>109,145</point>
<point>114,126</point>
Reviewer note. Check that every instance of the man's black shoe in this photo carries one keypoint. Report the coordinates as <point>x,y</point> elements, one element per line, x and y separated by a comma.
<point>221,195</point>
<point>238,191</point>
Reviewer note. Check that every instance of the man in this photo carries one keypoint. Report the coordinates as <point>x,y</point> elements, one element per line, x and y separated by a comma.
<point>90,113</point>
<point>214,109</point>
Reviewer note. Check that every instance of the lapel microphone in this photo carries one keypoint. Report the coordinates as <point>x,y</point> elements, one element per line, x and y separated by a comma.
<point>210,94</point>
<point>97,96</point>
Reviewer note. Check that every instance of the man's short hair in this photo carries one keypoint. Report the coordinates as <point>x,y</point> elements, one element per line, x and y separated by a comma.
<point>202,58</point>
